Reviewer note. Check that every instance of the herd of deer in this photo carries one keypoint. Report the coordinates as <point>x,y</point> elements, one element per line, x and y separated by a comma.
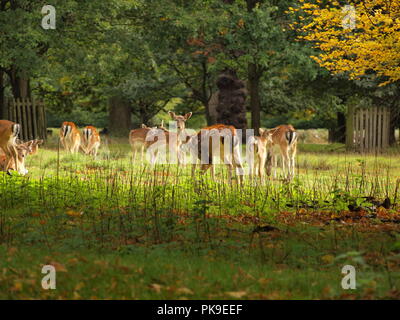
<point>264,148</point>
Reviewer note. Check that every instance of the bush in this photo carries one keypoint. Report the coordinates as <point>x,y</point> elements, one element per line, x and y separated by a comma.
<point>80,117</point>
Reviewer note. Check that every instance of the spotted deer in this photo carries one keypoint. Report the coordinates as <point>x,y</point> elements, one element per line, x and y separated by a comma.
<point>181,129</point>
<point>161,139</point>
<point>217,140</point>
<point>70,137</point>
<point>284,142</point>
<point>257,152</point>
<point>23,150</point>
<point>137,138</point>
<point>90,141</point>
<point>9,132</point>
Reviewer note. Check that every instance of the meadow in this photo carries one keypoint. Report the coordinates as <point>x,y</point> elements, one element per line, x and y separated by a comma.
<point>121,230</point>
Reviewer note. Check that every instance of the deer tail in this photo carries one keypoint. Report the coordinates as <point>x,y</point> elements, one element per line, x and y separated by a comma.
<point>291,136</point>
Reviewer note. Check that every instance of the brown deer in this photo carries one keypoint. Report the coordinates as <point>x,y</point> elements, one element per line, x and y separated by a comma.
<point>181,129</point>
<point>70,137</point>
<point>90,141</point>
<point>137,138</point>
<point>23,150</point>
<point>257,152</point>
<point>8,135</point>
<point>284,141</point>
<point>217,140</point>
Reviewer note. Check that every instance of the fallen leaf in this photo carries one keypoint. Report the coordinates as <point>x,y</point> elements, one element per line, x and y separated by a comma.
<point>236,294</point>
<point>156,287</point>
<point>328,259</point>
<point>184,291</point>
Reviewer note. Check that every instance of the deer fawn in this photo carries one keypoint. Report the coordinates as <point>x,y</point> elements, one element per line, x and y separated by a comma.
<point>91,141</point>
<point>70,137</point>
<point>257,152</point>
<point>23,150</point>
<point>216,140</point>
<point>284,140</point>
<point>8,135</point>
<point>33,146</point>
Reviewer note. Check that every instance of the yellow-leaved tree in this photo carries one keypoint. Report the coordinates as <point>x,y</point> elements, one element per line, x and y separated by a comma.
<point>357,38</point>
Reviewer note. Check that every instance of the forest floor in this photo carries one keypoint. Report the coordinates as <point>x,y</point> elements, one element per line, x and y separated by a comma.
<point>114,229</point>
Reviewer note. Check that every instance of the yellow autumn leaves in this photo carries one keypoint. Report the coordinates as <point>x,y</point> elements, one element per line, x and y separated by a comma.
<point>373,45</point>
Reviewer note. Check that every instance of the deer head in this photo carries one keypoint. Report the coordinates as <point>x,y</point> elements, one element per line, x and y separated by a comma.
<point>181,120</point>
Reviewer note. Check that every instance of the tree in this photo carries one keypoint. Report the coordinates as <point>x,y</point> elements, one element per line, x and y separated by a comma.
<point>356,40</point>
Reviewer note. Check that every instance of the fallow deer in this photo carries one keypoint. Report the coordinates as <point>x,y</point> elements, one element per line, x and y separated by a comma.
<point>284,141</point>
<point>91,141</point>
<point>70,137</point>
<point>257,152</point>
<point>158,139</point>
<point>23,150</point>
<point>32,144</point>
<point>137,138</point>
<point>181,128</point>
<point>8,135</point>
<point>212,141</point>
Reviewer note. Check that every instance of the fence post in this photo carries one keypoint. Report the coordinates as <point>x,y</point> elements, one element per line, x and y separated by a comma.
<point>350,127</point>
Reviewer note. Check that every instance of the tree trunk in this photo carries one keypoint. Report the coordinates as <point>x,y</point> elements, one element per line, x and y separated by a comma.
<point>350,127</point>
<point>394,120</point>
<point>20,84</point>
<point>338,133</point>
<point>254,76</point>
<point>255,103</point>
<point>231,108</point>
<point>119,116</point>
<point>211,109</point>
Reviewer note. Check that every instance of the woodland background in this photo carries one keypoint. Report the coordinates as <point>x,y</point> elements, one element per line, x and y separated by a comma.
<point>120,63</point>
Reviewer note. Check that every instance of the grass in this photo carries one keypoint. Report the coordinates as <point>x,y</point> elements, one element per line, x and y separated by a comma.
<point>114,229</point>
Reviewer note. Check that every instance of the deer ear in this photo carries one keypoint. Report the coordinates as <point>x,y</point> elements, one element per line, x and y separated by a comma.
<point>261,131</point>
<point>188,115</point>
<point>144,126</point>
<point>172,114</point>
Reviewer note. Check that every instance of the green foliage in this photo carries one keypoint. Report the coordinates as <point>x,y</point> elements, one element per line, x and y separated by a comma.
<point>144,234</point>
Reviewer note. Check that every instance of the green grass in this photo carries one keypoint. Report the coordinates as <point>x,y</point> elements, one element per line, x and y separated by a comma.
<point>114,229</point>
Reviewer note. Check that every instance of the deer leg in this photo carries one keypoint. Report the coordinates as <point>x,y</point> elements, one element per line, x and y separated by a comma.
<point>237,161</point>
<point>141,154</point>
<point>285,163</point>
<point>12,155</point>
<point>154,157</point>
<point>293,156</point>
<point>133,153</point>
<point>251,167</point>
<point>261,159</point>
<point>275,164</point>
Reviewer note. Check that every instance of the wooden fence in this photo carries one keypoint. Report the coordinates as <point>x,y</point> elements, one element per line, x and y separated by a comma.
<point>368,129</point>
<point>30,115</point>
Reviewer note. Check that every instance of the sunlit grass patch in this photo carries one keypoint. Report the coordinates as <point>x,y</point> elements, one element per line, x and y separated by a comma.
<point>154,233</point>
